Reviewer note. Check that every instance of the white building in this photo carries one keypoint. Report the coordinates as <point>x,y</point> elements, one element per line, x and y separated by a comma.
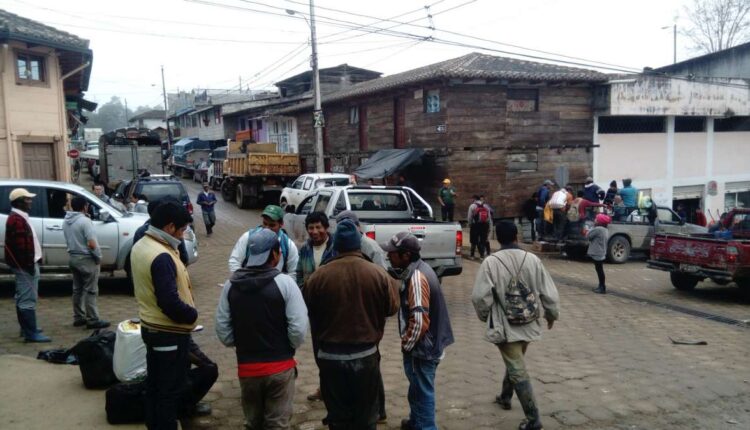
<point>151,119</point>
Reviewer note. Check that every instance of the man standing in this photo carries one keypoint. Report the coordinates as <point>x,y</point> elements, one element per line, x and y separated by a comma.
<point>99,192</point>
<point>509,289</point>
<point>479,217</point>
<point>369,247</point>
<point>317,250</point>
<point>447,199</point>
<point>424,327</point>
<point>543,196</point>
<point>591,191</point>
<point>23,252</point>
<point>629,194</point>
<point>558,202</point>
<point>273,219</point>
<point>167,312</point>
<point>262,314</point>
<point>348,299</point>
<point>85,256</point>
<point>207,200</point>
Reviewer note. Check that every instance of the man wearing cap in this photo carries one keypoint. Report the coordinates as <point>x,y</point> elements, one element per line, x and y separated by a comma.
<point>447,199</point>
<point>348,300</point>
<point>591,191</point>
<point>207,201</point>
<point>262,314</point>
<point>423,324</point>
<point>23,252</point>
<point>273,219</point>
<point>513,329</point>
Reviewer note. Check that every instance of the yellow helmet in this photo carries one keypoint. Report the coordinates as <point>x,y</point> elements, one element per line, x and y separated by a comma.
<point>447,181</point>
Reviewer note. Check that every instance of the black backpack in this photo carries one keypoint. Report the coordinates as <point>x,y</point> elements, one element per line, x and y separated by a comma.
<point>126,403</point>
<point>95,355</point>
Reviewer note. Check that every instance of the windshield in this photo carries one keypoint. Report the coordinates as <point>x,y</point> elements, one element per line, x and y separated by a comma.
<point>377,201</point>
<point>154,191</point>
<point>332,182</point>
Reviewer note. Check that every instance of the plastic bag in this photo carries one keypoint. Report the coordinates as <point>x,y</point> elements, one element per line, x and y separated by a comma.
<point>130,352</point>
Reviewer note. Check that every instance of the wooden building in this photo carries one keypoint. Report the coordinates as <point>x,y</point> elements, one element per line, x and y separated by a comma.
<point>494,126</point>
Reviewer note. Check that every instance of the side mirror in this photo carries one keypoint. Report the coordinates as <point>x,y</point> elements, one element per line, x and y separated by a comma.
<point>105,216</point>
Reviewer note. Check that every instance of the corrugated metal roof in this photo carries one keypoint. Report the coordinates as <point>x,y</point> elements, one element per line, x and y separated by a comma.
<point>16,27</point>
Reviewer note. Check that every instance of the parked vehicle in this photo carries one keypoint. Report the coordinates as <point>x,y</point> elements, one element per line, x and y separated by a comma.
<point>256,173</point>
<point>187,154</point>
<point>114,229</point>
<point>215,173</point>
<point>156,187</point>
<point>628,236</point>
<point>307,183</point>
<point>384,211</point>
<point>690,259</point>
<point>125,153</point>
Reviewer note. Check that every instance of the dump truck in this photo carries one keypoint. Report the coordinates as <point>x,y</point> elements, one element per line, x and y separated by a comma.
<point>255,173</point>
<point>187,155</point>
<point>127,152</point>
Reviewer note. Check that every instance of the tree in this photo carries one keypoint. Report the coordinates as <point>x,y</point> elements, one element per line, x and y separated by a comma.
<point>110,116</point>
<point>718,24</point>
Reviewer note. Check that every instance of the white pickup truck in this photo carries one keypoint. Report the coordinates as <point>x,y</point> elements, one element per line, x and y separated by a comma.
<point>114,229</point>
<point>384,211</point>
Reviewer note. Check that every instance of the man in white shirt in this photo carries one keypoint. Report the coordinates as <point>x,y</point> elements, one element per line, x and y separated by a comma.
<point>273,219</point>
<point>559,202</point>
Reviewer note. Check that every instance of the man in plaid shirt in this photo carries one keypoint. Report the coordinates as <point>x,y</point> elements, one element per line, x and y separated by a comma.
<point>23,252</point>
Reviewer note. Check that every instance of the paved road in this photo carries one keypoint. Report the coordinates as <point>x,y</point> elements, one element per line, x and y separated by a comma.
<point>608,363</point>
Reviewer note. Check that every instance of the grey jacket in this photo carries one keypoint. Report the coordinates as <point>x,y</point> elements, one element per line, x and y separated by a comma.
<point>78,230</point>
<point>597,243</point>
<point>493,274</point>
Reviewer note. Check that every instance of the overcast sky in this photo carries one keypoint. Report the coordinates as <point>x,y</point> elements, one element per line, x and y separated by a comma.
<point>208,46</point>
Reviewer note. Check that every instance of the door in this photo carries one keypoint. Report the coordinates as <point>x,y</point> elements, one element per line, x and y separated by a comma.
<point>399,123</point>
<point>38,161</point>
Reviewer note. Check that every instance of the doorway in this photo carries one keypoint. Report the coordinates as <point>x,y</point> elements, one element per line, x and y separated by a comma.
<point>686,200</point>
<point>38,161</point>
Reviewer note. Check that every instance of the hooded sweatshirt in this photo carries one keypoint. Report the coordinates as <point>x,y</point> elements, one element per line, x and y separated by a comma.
<point>261,312</point>
<point>78,230</point>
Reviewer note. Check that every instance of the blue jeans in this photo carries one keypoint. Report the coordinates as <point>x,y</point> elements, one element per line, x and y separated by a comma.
<point>27,288</point>
<point>421,376</point>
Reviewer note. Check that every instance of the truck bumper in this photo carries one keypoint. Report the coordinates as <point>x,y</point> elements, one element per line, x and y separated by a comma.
<point>446,267</point>
<point>702,272</point>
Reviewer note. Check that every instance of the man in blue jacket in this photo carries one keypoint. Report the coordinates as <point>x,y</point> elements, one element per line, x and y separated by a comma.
<point>207,201</point>
<point>424,327</point>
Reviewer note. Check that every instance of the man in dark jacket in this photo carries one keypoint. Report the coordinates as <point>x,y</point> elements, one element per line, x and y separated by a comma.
<point>348,299</point>
<point>592,192</point>
<point>424,327</point>
<point>207,200</point>
<point>23,252</point>
<point>262,314</point>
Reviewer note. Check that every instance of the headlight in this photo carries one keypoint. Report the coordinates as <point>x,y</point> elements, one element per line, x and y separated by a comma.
<point>188,235</point>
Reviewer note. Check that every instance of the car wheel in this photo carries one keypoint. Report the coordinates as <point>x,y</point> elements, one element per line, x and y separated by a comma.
<point>618,250</point>
<point>683,281</point>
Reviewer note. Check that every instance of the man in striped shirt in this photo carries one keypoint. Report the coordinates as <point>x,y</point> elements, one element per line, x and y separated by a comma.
<point>423,324</point>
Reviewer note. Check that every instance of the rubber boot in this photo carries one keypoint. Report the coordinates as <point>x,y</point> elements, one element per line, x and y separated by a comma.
<point>601,289</point>
<point>503,399</point>
<point>31,334</point>
<point>473,250</point>
<point>526,397</point>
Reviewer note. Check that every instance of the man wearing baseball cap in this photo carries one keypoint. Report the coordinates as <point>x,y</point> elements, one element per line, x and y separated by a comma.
<point>273,219</point>
<point>23,252</point>
<point>447,199</point>
<point>262,314</point>
<point>423,324</point>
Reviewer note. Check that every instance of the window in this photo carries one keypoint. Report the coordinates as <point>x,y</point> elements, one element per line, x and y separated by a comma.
<point>667,216</point>
<point>331,182</point>
<point>58,203</point>
<point>217,115</point>
<point>259,125</point>
<point>522,100</point>
<point>306,206</point>
<point>631,124</point>
<point>354,115</point>
<point>322,203</point>
<point>378,202</point>
<point>521,161</point>
<point>340,204</point>
<point>36,207</point>
<point>432,101</point>
<point>735,123</point>
<point>739,199</point>
<point>689,124</point>
<point>297,184</point>
<point>308,184</point>
<point>30,68</point>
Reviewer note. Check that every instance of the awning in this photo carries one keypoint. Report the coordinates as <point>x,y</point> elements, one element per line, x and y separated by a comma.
<point>92,154</point>
<point>386,162</point>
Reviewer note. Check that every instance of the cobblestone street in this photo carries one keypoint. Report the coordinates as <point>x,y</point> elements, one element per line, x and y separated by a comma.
<point>608,362</point>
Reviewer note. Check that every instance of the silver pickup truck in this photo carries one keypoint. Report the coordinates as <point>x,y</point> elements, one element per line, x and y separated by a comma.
<point>114,229</point>
<point>384,211</point>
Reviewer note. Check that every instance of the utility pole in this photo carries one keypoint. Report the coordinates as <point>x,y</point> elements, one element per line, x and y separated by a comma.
<point>318,121</point>
<point>126,113</point>
<point>674,49</point>
<point>166,113</point>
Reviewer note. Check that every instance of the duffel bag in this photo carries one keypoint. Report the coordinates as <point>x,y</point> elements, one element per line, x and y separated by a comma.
<point>95,359</point>
<point>126,403</point>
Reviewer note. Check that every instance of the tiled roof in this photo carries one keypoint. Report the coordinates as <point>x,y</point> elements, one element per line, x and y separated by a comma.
<point>471,66</point>
<point>16,27</point>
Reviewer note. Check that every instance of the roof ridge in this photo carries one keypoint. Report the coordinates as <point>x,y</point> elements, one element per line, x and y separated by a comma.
<point>12,28</point>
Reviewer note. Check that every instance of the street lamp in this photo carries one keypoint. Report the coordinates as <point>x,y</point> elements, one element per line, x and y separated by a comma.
<point>318,122</point>
<point>674,37</point>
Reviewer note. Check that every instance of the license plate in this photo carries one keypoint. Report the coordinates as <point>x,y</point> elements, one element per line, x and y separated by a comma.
<point>689,268</point>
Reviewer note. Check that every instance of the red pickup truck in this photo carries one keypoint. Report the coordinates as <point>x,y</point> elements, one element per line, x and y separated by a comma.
<point>722,256</point>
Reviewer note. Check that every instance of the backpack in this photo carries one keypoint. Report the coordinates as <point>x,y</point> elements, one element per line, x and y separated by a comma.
<point>521,303</point>
<point>95,356</point>
<point>481,214</point>
<point>283,241</point>
<point>125,403</point>
<point>573,214</point>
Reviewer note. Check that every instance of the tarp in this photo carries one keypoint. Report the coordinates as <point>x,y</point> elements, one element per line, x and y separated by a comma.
<point>92,154</point>
<point>191,143</point>
<point>386,162</point>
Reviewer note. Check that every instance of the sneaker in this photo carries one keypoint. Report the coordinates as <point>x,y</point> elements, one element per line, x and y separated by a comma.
<point>314,397</point>
<point>79,323</point>
<point>526,425</point>
<point>382,419</point>
<point>38,337</point>
<point>202,409</point>
<point>97,324</point>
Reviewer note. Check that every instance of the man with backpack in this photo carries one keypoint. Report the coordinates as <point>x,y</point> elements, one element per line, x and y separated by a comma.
<point>480,217</point>
<point>273,219</point>
<point>511,287</point>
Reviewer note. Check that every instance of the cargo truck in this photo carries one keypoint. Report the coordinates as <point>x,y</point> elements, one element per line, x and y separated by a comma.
<point>127,152</point>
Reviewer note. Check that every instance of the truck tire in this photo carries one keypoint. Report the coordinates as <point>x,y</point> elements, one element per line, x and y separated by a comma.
<point>242,200</point>
<point>227,191</point>
<point>576,252</point>
<point>618,250</point>
<point>683,281</point>
<point>177,171</point>
<point>744,284</point>
<point>186,173</point>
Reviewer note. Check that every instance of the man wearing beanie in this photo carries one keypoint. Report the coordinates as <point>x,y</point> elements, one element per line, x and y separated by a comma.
<point>348,300</point>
